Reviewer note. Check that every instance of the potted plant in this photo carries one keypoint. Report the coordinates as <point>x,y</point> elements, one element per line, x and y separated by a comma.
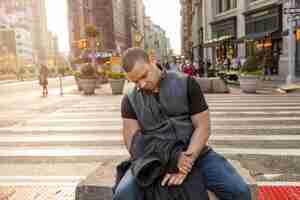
<point>250,74</point>
<point>117,81</point>
<point>87,79</point>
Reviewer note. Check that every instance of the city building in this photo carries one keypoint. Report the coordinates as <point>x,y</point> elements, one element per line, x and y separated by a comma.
<point>8,54</point>
<point>137,22</point>
<point>24,47</point>
<point>53,51</point>
<point>156,42</point>
<point>112,19</point>
<point>29,18</point>
<point>186,28</point>
<point>40,30</point>
<point>17,19</point>
<point>197,32</point>
<point>233,28</point>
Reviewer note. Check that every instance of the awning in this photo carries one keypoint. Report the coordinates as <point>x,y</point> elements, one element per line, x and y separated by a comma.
<point>214,42</point>
<point>255,36</point>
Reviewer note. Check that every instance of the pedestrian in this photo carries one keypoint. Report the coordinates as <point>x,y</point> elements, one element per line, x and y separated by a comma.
<point>188,68</point>
<point>43,79</point>
<point>166,66</point>
<point>227,63</point>
<point>238,63</point>
<point>171,106</point>
<point>268,65</point>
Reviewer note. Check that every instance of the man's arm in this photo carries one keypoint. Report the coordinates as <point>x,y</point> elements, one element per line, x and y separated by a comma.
<point>201,123</point>
<point>130,128</point>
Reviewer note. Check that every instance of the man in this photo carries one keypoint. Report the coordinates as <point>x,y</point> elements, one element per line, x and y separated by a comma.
<point>172,101</point>
<point>189,68</point>
<point>43,79</point>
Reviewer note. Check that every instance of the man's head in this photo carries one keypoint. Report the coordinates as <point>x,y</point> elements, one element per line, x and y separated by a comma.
<point>140,70</point>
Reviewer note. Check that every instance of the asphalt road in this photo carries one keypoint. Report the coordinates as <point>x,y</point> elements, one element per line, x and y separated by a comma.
<point>22,100</point>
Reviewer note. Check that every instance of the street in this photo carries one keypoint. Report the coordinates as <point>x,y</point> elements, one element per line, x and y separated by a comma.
<point>22,100</point>
<point>62,144</point>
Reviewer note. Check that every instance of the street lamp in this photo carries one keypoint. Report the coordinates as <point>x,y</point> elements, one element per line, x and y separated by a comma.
<point>292,12</point>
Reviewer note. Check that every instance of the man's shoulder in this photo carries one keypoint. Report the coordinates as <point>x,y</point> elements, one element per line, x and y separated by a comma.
<point>176,74</point>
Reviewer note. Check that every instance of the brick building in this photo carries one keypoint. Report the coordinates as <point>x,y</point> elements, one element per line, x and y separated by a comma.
<point>113,19</point>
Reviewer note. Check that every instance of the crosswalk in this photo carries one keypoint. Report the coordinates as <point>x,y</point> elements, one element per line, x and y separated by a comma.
<point>260,131</point>
<point>261,125</point>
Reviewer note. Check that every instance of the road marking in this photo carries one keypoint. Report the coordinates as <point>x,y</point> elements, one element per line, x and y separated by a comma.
<point>254,108</point>
<point>252,104</point>
<point>110,128</point>
<point>113,138</point>
<point>119,119</point>
<point>122,151</point>
<point>256,112</point>
<point>277,183</point>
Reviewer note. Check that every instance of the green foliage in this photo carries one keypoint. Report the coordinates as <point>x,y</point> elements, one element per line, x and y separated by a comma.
<point>251,67</point>
<point>91,31</point>
<point>116,75</point>
<point>61,70</point>
<point>87,71</point>
<point>76,73</point>
<point>22,70</point>
<point>31,69</point>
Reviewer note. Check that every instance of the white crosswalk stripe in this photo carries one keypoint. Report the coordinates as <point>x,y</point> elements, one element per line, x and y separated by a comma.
<point>244,127</point>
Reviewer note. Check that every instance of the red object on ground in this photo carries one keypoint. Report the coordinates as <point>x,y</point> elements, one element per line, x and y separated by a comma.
<point>279,193</point>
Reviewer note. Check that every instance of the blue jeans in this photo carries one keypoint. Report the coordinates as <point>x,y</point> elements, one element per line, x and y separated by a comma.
<point>219,177</point>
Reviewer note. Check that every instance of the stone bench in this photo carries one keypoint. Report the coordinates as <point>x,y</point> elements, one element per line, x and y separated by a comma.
<point>97,186</point>
<point>213,85</point>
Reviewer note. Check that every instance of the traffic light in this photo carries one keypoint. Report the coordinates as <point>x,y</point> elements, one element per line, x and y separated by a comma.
<point>83,44</point>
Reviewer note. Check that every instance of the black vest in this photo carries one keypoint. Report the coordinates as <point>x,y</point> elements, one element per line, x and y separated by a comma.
<point>167,116</point>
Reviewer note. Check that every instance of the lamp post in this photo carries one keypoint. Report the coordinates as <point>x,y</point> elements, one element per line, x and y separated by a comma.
<point>291,11</point>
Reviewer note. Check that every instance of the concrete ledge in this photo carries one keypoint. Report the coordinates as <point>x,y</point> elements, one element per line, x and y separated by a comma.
<point>97,186</point>
<point>213,85</point>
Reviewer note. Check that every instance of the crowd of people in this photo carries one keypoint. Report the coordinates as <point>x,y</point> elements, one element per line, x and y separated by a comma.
<point>186,66</point>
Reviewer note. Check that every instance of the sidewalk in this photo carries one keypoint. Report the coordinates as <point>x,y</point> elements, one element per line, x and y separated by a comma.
<point>270,87</point>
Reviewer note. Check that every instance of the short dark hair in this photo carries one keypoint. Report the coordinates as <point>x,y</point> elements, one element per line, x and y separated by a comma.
<point>131,56</point>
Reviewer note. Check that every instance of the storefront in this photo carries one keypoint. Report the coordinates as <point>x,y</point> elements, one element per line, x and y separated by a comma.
<point>223,39</point>
<point>264,32</point>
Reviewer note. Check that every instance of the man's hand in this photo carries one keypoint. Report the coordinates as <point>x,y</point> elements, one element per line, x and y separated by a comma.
<point>173,179</point>
<point>185,162</point>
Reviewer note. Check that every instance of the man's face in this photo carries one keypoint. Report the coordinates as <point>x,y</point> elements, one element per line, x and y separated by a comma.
<point>144,75</point>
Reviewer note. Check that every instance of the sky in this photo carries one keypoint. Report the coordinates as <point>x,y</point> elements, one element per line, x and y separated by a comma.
<point>165,13</point>
<point>57,22</point>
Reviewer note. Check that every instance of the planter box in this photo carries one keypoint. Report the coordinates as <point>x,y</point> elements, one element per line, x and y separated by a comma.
<point>88,86</point>
<point>249,83</point>
<point>117,86</point>
<point>212,85</point>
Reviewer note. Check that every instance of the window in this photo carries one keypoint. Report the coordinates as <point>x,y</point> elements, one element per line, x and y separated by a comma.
<point>225,5</point>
